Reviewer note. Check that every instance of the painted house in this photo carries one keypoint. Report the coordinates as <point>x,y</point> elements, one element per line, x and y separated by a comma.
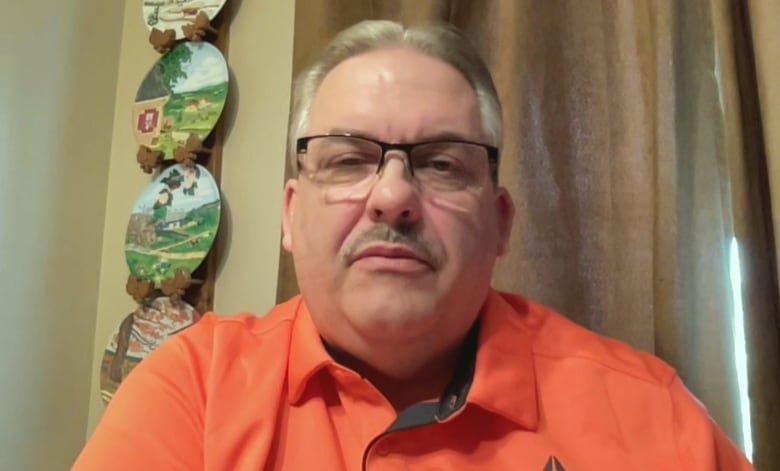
<point>197,105</point>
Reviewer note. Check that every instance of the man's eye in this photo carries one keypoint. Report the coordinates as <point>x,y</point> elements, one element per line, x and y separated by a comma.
<point>350,160</point>
<point>440,165</point>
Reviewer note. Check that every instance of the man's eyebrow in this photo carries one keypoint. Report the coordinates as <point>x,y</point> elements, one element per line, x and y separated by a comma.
<point>445,136</point>
<point>352,132</point>
<point>434,136</point>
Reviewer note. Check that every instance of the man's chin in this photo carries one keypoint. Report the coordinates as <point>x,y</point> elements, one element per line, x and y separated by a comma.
<point>381,286</point>
<point>397,317</point>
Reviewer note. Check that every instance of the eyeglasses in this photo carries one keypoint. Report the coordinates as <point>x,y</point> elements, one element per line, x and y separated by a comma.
<point>441,165</point>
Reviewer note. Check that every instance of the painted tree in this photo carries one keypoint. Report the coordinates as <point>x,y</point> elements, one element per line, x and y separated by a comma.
<point>171,67</point>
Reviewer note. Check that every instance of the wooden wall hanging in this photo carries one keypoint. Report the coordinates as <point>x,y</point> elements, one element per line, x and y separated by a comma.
<point>170,243</point>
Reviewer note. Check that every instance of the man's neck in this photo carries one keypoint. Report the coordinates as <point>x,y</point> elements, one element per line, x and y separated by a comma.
<point>407,375</point>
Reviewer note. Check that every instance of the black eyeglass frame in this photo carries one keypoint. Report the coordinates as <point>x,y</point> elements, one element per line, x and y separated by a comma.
<point>302,147</point>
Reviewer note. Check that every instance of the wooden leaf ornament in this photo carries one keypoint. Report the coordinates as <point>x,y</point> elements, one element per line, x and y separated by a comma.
<point>139,289</point>
<point>196,30</point>
<point>176,286</point>
<point>148,159</point>
<point>188,153</point>
<point>162,41</point>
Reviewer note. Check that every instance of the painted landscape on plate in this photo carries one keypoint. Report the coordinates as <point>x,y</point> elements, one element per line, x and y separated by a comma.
<point>173,224</point>
<point>141,332</point>
<point>183,94</point>
<point>175,14</point>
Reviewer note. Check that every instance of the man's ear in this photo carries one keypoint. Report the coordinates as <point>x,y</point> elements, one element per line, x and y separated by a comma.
<point>505,217</point>
<point>288,212</point>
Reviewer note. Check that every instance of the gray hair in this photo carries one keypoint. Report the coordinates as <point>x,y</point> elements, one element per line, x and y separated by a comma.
<point>440,41</point>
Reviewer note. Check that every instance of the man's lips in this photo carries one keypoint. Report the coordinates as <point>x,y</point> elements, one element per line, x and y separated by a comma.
<point>390,253</point>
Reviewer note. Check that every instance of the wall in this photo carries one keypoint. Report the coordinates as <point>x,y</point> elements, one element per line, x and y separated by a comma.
<point>57,79</point>
<point>261,48</point>
<point>260,58</point>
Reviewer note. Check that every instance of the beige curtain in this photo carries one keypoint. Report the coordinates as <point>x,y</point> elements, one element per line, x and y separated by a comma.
<point>634,153</point>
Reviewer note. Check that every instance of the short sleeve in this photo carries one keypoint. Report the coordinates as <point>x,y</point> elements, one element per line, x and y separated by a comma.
<point>156,418</point>
<point>701,444</point>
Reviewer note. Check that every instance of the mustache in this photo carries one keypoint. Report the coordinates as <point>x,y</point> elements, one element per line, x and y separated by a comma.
<point>409,238</point>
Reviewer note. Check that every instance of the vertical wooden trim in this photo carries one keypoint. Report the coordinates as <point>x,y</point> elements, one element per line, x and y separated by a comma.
<point>201,296</point>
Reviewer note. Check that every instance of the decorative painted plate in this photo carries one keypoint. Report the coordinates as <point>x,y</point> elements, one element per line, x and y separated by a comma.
<point>175,14</point>
<point>184,93</point>
<point>173,224</point>
<point>141,332</point>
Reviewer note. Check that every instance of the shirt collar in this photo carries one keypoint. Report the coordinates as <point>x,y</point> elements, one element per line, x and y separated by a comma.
<point>501,380</point>
<point>504,375</point>
<point>307,353</point>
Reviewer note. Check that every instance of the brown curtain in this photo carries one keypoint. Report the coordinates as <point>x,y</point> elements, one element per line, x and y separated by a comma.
<point>761,120</point>
<point>635,152</point>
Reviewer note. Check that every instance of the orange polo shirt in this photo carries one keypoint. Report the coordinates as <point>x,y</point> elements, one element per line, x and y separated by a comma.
<point>534,392</point>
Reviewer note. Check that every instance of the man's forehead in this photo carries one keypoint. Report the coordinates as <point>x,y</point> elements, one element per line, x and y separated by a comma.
<point>391,64</point>
<point>370,94</point>
<point>439,133</point>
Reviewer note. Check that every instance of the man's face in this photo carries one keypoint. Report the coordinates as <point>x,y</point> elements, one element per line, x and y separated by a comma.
<point>395,262</point>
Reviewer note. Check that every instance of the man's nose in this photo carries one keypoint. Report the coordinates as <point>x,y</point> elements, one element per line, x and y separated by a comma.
<point>394,197</point>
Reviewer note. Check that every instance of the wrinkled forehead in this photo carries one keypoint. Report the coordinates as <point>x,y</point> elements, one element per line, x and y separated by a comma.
<point>396,94</point>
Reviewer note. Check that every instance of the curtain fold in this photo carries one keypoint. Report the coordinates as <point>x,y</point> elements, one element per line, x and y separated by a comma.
<point>631,169</point>
<point>757,183</point>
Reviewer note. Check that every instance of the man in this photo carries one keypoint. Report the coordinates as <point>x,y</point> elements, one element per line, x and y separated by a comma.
<point>398,354</point>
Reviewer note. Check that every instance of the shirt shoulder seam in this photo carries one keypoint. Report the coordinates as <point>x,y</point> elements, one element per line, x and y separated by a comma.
<point>647,378</point>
